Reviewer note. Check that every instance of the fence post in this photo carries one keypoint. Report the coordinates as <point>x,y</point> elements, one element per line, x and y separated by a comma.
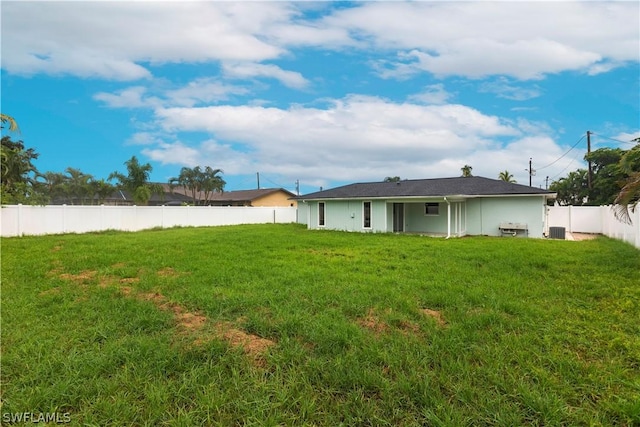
<point>64,218</point>
<point>19,219</point>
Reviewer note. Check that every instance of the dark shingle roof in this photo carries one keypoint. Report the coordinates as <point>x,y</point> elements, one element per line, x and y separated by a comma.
<point>247,195</point>
<point>438,187</point>
<point>226,196</point>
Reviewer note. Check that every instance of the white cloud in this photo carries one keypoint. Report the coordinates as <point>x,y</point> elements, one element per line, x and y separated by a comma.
<point>433,94</point>
<point>503,88</point>
<point>197,92</point>
<point>131,97</point>
<point>176,152</point>
<point>356,138</point>
<point>209,153</point>
<point>203,91</point>
<point>249,70</point>
<point>522,39</point>
<point>119,40</point>
<point>480,58</point>
<point>111,39</point>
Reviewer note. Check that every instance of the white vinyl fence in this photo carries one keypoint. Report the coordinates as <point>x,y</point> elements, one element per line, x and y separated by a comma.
<point>595,219</point>
<point>19,220</point>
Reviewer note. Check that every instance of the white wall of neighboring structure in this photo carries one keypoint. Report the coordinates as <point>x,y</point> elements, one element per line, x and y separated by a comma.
<point>597,220</point>
<point>19,220</point>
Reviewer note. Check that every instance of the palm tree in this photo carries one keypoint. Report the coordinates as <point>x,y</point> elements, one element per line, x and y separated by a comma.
<point>199,182</point>
<point>136,181</point>
<point>466,171</point>
<point>102,189</point>
<point>13,125</point>
<point>629,195</point>
<point>53,186</point>
<point>78,185</point>
<point>211,182</point>
<point>506,177</point>
<point>188,179</point>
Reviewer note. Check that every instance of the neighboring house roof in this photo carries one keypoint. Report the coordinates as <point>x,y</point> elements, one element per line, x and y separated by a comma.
<point>239,196</point>
<point>438,187</point>
<point>247,195</point>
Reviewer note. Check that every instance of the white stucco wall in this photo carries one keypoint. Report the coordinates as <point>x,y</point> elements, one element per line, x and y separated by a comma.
<point>347,215</point>
<point>485,214</point>
<point>417,221</point>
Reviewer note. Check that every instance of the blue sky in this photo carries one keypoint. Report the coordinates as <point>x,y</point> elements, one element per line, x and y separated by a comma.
<point>325,93</point>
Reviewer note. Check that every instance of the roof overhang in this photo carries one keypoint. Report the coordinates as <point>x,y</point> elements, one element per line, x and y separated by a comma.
<point>450,197</point>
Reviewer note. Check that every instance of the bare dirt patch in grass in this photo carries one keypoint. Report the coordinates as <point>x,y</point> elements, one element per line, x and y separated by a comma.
<point>251,344</point>
<point>408,327</point>
<point>168,272</point>
<point>82,277</point>
<point>436,315</point>
<point>186,320</point>
<point>373,323</point>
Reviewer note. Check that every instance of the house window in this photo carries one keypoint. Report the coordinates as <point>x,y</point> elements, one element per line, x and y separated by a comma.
<point>431,208</point>
<point>366,215</point>
<point>321,214</point>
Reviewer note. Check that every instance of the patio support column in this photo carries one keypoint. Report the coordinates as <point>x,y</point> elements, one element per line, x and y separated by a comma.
<point>448,218</point>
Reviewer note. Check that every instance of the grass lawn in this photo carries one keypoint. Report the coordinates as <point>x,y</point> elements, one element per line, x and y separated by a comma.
<point>278,325</point>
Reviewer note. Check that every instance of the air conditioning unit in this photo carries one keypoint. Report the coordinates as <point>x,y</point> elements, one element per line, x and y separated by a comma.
<point>556,232</point>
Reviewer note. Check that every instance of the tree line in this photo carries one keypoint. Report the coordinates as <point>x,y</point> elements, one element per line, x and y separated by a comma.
<point>614,179</point>
<point>23,183</point>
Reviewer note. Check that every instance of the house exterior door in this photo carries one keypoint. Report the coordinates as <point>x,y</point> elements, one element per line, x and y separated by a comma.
<point>398,217</point>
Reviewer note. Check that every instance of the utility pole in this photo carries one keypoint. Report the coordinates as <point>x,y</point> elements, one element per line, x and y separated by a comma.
<point>258,176</point>
<point>546,183</point>
<point>297,187</point>
<point>531,171</point>
<point>589,173</point>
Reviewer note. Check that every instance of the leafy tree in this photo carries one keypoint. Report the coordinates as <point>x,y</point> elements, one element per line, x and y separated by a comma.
<point>136,182</point>
<point>466,171</point>
<point>506,176</point>
<point>573,189</point>
<point>612,170</point>
<point>392,179</point>
<point>629,194</point>
<point>606,175</point>
<point>18,173</point>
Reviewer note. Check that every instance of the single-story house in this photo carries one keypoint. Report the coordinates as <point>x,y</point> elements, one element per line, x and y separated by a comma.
<point>269,197</point>
<point>445,206</point>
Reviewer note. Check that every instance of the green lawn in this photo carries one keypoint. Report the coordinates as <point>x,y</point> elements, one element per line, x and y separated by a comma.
<point>277,325</point>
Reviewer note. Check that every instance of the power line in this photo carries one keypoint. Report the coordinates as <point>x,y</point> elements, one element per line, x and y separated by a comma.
<point>574,146</point>
<point>613,139</point>
<point>566,167</point>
